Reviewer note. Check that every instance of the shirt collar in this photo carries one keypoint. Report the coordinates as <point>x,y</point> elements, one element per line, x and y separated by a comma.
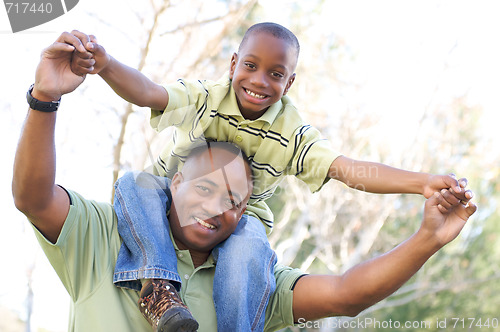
<point>186,255</point>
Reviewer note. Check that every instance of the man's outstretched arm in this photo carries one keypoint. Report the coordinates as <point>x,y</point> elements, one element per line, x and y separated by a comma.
<point>33,187</point>
<point>317,296</point>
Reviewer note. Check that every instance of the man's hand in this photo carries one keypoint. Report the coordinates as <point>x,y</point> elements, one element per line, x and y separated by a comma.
<point>53,76</point>
<point>445,216</point>
<point>93,60</point>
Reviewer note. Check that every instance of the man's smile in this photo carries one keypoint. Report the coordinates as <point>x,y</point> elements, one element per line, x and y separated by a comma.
<point>204,224</point>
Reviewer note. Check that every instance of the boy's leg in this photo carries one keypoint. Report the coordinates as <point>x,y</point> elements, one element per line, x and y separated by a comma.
<point>141,204</point>
<point>244,277</point>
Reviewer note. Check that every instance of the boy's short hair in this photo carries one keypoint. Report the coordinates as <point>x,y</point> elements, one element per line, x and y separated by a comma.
<point>275,30</point>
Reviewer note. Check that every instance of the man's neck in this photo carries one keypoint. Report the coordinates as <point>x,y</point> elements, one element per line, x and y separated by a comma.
<point>198,257</point>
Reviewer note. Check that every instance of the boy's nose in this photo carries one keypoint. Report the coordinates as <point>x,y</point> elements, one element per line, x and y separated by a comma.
<point>259,79</point>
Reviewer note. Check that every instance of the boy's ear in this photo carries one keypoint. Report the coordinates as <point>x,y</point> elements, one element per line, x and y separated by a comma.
<point>289,84</point>
<point>232,67</point>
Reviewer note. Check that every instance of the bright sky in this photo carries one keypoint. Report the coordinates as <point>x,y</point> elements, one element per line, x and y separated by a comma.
<point>403,49</point>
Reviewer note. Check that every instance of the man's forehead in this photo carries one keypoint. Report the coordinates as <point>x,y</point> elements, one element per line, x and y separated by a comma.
<point>226,169</point>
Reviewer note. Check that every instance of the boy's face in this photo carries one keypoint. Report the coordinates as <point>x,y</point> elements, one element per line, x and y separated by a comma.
<point>208,199</point>
<point>261,73</point>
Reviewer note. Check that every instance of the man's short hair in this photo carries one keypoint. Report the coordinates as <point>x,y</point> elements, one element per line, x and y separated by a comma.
<point>227,146</point>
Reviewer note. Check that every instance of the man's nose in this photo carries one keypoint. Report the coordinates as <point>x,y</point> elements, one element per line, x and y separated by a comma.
<point>212,206</point>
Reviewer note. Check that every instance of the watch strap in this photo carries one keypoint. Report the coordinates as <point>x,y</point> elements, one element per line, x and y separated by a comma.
<point>43,106</point>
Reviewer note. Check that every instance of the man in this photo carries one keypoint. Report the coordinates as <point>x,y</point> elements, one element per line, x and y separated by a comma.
<point>81,240</point>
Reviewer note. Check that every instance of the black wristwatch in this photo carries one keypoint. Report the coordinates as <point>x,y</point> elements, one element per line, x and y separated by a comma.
<point>44,106</point>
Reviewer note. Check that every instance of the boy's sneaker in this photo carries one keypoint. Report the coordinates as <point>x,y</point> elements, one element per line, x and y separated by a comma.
<point>160,303</point>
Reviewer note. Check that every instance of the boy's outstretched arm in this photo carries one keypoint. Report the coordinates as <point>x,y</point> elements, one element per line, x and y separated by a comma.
<point>127,82</point>
<point>379,178</point>
<point>317,296</point>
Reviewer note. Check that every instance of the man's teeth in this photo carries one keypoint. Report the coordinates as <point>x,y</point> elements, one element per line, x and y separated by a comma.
<point>253,94</point>
<point>207,225</point>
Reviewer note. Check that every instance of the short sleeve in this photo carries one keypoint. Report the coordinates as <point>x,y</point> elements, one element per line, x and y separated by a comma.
<point>279,312</point>
<point>86,248</point>
<point>312,157</point>
<point>184,100</point>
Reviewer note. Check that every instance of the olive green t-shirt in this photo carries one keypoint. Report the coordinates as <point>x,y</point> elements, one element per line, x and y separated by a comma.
<point>84,258</point>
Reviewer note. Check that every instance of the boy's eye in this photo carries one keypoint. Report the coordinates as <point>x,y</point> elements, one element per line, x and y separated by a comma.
<point>277,75</point>
<point>250,65</point>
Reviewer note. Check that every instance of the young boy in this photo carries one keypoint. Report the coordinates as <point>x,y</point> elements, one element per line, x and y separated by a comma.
<point>249,107</point>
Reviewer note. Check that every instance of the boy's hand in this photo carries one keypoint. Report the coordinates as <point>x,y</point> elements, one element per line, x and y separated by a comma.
<point>436,183</point>
<point>93,60</point>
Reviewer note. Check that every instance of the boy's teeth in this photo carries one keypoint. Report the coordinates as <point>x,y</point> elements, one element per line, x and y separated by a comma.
<point>253,94</point>
<point>207,225</point>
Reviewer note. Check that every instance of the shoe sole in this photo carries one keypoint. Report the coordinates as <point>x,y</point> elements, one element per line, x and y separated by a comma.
<point>179,320</point>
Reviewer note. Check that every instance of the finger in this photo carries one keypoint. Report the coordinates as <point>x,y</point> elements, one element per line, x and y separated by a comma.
<point>452,182</point>
<point>93,39</point>
<point>57,46</point>
<point>470,209</point>
<point>442,200</point>
<point>435,199</point>
<point>84,38</point>
<point>71,39</point>
<point>468,196</point>
<point>449,198</point>
<point>442,209</point>
<point>463,182</point>
<point>82,66</point>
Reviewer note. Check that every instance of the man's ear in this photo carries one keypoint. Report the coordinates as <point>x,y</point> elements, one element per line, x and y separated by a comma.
<point>176,181</point>
<point>232,67</point>
<point>289,84</point>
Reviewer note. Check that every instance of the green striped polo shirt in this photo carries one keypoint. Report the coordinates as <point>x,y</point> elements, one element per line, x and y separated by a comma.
<point>279,143</point>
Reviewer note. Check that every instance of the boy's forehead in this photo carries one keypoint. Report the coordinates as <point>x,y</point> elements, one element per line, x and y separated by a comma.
<point>268,41</point>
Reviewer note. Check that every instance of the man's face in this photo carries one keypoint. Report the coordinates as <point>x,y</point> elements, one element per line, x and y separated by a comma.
<point>261,73</point>
<point>208,199</point>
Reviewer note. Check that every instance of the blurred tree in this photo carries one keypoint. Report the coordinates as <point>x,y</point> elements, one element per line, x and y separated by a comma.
<point>332,230</point>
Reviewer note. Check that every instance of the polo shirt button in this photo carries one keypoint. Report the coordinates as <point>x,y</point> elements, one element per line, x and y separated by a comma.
<point>186,276</point>
<point>180,255</point>
<point>239,138</point>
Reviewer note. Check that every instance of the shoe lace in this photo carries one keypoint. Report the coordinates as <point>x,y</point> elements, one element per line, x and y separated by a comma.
<point>163,297</point>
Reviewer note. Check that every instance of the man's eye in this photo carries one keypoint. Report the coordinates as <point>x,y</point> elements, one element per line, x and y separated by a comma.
<point>250,65</point>
<point>202,189</point>
<point>232,204</point>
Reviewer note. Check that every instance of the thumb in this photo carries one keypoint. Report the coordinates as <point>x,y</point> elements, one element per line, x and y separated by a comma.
<point>434,200</point>
<point>95,48</point>
<point>468,210</point>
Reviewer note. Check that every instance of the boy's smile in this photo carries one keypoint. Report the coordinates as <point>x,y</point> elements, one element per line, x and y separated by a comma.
<point>261,73</point>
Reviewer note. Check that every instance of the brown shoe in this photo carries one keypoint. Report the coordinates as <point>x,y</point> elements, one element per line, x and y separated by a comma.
<point>160,303</point>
